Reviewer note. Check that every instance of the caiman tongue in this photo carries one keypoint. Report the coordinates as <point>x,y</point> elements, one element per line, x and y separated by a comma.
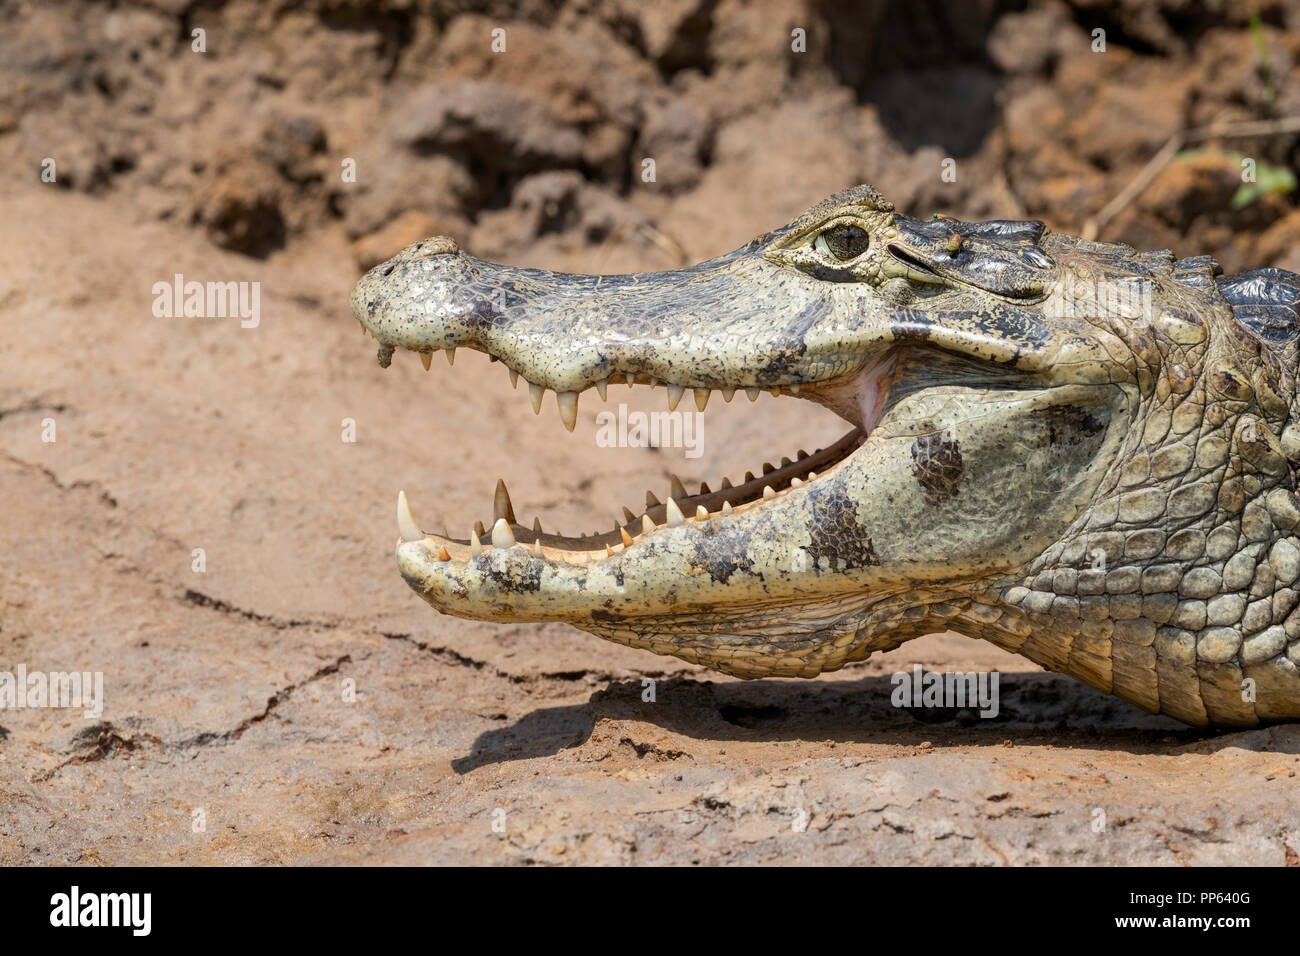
<point>1001,256</point>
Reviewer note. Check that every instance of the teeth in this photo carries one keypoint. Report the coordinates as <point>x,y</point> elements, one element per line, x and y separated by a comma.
<point>537,546</point>
<point>775,390</point>
<point>768,467</point>
<point>704,487</point>
<point>749,476</point>
<point>726,507</point>
<point>443,553</point>
<point>795,482</point>
<point>702,512</point>
<point>475,545</point>
<point>674,396</point>
<point>502,536</point>
<point>567,403</point>
<point>425,359</point>
<point>768,492</point>
<point>726,483</point>
<point>514,379</point>
<point>627,538</point>
<point>600,387</point>
<point>784,462</point>
<point>728,394</point>
<point>451,356</point>
<point>676,488</point>
<point>627,514</point>
<point>802,454</point>
<point>478,528</point>
<point>812,475</point>
<point>674,513</point>
<point>535,393</point>
<point>609,552</point>
<point>794,389</point>
<point>751,394</point>
<point>501,507</point>
<point>537,526</point>
<point>646,524</point>
<point>405,523</point>
<point>650,500</point>
<point>701,398</point>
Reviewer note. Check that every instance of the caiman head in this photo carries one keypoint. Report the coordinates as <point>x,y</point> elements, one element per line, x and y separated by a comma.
<point>1057,445</point>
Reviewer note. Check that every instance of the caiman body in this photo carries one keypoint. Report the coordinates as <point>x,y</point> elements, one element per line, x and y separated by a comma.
<point>1082,453</point>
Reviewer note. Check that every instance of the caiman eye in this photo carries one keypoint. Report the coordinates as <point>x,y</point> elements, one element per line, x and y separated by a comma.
<point>843,242</point>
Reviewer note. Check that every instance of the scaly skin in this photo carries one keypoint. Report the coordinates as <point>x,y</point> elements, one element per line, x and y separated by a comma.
<point>1082,453</point>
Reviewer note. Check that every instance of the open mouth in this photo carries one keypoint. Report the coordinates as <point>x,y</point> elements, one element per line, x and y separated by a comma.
<point>859,397</point>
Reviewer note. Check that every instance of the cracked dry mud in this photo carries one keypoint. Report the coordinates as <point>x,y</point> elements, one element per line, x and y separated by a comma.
<point>225,691</point>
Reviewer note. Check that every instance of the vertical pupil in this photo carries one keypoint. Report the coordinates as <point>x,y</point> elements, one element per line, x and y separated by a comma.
<point>847,242</point>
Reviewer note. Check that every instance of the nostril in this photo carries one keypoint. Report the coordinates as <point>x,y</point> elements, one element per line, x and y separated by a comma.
<point>389,270</point>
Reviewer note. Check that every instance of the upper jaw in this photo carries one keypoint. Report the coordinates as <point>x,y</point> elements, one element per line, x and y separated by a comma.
<point>733,322</point>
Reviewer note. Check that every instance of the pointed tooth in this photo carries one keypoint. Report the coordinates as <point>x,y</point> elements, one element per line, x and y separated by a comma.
<point>728,394</point>
<point>768,467</point>
<point>749,476</point>
<point>650,500</point>
<point>601,384</point>
<point>627,538</point>
<point>812,475</point>
<point>451,356</point>
<point>702,512</point>
<point>768,492</point>
<point>475,545</point>
<point>443,553</point>
<point>794,389</point>
<point>776,391</point>
<point>674,513</point>
<point>445,533</point>
<point>796,482</point>
<point>537,526</point>
<point>785,461</point>
<point>609,552</point>
<point>676,488</point>
<point>701,398</point>
<point>514,379</point>
<point>627,514</point>
<point>726,483</point>
<point>704,488</point>
<point>501,507</point>
<point>537,546</point>
<point>675,393</point>
<point>493,358</point>
<point>646,524</point>
<point>535,393</point>
<point>802,454</point>
<point>567,403</point>
<point>478,528</point>
<point>406,526</point>
<point>502,536</point>
<point>751,394</point>
<point>425,359</point>
<point>726,507</point>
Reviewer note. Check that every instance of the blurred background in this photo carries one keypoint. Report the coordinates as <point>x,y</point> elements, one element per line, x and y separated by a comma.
<point>528,143</point>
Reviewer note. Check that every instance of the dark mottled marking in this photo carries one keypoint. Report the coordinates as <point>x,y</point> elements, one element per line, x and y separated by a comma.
<point>722,555</point>
<point>516,577</point>
<point>937,465</point>
<point>836,535</point>
<point>1066,424</point>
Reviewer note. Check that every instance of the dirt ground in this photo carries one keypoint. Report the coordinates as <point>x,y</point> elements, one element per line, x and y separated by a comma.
<point>293,702</point>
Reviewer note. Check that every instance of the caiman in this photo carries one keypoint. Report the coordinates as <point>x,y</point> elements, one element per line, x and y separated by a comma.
<point>1080,452</point>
